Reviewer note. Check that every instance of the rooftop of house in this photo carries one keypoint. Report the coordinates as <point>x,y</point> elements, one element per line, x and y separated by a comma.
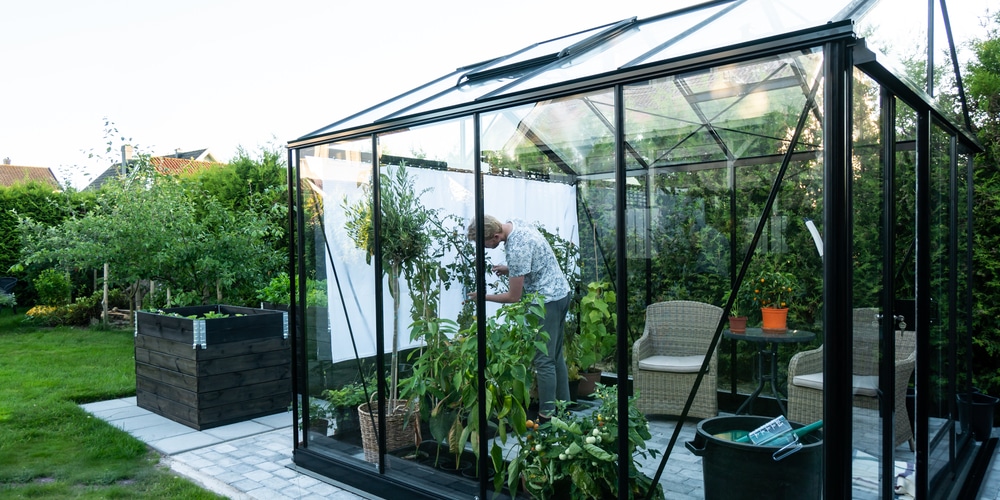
<point>15,174</point>
<point>181,162</point>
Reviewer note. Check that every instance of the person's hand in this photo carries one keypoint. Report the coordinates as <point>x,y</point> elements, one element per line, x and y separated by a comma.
<point>501,270</point>
<point>471,297</point>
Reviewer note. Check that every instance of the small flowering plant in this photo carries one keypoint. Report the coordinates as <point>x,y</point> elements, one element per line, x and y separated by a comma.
<point>774,289</point>
<point>575,455</point>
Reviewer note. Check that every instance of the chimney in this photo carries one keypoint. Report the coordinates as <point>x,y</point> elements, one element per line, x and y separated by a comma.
<point>6,161</point>
<point>177,152</point>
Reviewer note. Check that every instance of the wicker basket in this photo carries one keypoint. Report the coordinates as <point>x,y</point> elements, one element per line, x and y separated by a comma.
<point>402,427</point>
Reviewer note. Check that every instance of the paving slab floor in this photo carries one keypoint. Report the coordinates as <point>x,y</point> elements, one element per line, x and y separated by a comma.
<point>253,459</point>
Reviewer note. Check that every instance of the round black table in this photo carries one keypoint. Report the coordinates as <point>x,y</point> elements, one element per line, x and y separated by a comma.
<point>767,346</point>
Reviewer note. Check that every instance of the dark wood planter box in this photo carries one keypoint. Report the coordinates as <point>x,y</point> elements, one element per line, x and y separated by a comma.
<point>206,373</point>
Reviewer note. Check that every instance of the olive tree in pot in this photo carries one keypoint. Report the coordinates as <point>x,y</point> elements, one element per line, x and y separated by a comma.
<point>406,241</point>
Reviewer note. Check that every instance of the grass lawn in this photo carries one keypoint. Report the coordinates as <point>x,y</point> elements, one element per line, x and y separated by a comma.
<point>49,447</point>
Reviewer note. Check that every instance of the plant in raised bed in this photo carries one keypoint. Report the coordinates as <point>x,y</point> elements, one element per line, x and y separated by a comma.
<point>209,372</point>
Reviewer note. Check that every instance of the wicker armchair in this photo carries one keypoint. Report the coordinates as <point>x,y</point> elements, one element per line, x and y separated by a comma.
<point>805,376</point>
<point>666,359</point>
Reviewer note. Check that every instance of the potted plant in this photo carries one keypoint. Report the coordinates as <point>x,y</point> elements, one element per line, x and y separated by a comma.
<point>595,339</point>
<point>772,292</point>
<point>445,376</point>
<point>575,455</point>
<point>406,241</point>
<point>738,313</point>
<point>342,410</point>
<point>319,417</point>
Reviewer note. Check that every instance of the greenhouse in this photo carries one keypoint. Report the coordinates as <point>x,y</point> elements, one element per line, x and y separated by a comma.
<point>736,158</point>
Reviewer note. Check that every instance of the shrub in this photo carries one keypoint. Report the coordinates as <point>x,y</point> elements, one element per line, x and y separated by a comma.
<point>53,288</point>
<point>87,309</point>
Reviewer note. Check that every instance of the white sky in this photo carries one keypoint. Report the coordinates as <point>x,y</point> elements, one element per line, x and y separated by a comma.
<point>219,74</point>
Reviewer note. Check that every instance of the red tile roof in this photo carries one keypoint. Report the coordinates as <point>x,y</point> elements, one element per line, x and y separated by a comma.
<point>164,165</point>
<point>13,174</point>
<point>177,166</point>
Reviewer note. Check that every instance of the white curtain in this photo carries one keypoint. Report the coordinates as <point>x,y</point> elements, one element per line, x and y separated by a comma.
<point>551,205</point>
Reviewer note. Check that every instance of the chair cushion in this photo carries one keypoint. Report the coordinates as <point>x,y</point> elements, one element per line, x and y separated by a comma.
<point>676,364</point>
<point>864,385</point>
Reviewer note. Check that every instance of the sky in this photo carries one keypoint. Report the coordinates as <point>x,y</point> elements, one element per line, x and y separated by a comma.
<point>252,74</point>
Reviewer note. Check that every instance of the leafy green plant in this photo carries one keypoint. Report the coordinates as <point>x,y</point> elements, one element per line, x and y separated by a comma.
<point>405,239</point>
<point>773,288</point>
<point>53,287</point>
<point>575,455</point>
<point>597,318</point>
<point>743,303</point>
<point>348,397</point>
<point>278,291</point>
<point>445,375</point>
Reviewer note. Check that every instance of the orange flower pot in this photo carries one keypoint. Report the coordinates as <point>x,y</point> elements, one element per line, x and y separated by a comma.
<point>774,319</point>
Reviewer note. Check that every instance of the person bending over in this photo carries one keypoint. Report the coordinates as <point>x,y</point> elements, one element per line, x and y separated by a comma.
<point>532,268</point>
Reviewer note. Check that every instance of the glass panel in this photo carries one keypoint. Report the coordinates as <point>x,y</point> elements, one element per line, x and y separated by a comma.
<point>425,192</point>
<point>619,51</point>
<point>867,200</point>
<point>392,106</point>
<point>336,382</point>
<point>904,274</point>
<point>703,152</point>
<point>544,141</point>
<point>531,238</point>
<point>901,38</point>
<point>750,20</point>
<point>940,362</point>
<point>963,291</point>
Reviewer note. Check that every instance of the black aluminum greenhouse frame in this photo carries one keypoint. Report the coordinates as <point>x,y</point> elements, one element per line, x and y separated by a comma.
<point>676,159</point>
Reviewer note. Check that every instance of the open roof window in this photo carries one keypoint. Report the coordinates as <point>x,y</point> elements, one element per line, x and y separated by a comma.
<point>544,54</point>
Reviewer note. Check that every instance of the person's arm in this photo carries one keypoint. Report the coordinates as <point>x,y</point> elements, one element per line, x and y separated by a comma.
<point>515,289</point>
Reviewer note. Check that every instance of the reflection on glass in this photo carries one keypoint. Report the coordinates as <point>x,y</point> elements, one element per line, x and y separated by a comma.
<point>750,21</point>
<point>941,356</point>
<point>335,383</point>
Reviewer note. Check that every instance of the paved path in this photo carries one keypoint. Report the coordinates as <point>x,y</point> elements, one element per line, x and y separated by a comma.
<point>253,459</point>
<point>245,460</point>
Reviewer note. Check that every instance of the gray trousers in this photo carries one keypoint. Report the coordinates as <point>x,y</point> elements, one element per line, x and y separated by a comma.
<point>550,369</point>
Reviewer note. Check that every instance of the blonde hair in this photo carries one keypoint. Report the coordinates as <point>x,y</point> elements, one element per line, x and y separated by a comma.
<point>491,226</point>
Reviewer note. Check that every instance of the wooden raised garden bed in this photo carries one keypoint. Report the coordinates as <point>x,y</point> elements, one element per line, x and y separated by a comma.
<point>205,373</point>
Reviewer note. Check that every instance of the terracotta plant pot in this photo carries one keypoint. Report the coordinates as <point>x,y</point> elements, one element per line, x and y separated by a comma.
<point>774,319</point>
<point>738,324</point>
<point>588,383</point>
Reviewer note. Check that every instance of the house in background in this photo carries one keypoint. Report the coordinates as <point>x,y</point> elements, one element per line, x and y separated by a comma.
<point>181,162</point>
<point>197,155</point>
<point>16,174</point>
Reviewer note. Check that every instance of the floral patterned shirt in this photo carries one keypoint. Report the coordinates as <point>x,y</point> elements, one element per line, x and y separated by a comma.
<point>529,255</point>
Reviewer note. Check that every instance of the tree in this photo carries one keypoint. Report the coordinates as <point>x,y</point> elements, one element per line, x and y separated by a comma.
<point>983,86</point>
<point>151,227</point>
